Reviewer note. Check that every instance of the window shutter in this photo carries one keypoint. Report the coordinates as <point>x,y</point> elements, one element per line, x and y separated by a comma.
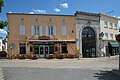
<point>40,30</point>
<point>64,30</point>
<point>32,30</point>
<point>46,30</point>
<point>54,30</point>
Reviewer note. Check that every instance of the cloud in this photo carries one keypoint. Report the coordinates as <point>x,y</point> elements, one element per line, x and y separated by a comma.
<point>2,31</point>
<point>64,5</point>
<point>10,12</point>
<point>57,10</point>
<point>39,11</point>
<point>31,12</point>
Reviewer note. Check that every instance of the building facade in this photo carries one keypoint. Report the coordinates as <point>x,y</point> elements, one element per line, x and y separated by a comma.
<point>87,34</point>
<point>45,34</point>
<point>1,42</point>
<point>41,34</point>
<point>109,27</point>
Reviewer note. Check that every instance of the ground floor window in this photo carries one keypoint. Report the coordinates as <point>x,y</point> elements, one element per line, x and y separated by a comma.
<point>22,48</point>
<point>51,49</point>
<point>64,48</point>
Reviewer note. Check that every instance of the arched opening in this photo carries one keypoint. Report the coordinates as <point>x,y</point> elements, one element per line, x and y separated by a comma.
<point>88,43</point>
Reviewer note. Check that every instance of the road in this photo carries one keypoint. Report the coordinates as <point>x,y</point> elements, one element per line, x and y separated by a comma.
<point>61,69</point>
<point>57,74</point>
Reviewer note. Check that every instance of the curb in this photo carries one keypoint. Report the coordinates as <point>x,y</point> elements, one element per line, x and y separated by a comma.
<point>1,74</point>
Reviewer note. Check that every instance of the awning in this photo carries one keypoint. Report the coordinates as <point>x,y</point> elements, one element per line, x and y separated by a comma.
<point>52,40</point>
<point>114,44</point>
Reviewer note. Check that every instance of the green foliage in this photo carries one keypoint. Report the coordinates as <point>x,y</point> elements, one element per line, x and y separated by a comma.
<point>78,51</point>
<point>3,24</point>
<point>1,5</point>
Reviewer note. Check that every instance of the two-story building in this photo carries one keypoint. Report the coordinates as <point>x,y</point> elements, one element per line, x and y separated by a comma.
<point>41,34</point>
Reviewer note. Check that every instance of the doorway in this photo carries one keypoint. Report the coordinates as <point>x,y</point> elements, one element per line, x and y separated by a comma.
<point>41,50</point>
<point>88,43</point>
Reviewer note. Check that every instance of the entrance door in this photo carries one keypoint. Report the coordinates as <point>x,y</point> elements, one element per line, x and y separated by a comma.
<point>36,49</point>
<point>46,49</point>
<point>41,52</point>
<point>88,42</point>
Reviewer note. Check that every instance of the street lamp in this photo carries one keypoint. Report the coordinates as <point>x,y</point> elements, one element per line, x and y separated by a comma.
<point>118,39</point>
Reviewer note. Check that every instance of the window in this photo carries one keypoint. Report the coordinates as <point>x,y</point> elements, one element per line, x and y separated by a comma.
<point>106,35</point>
<point>31,49</point>
<point>50,30</point>
<point>36,19</point>
<point>51,49</point>
<point>115,26</point>
<point>111,35</point>
<point>64,48</point>
<point>63,20</point>
<point>22,19</point>
<point>36,30</point>
<point>22,30</point>
<point>22,48</point>
<point>111,25</point>
<point>64,31</point>
<point>105,24</point>
<point>49,20</point>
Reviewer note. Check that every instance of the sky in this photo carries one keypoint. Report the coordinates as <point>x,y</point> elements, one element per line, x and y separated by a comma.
<point>67,7</point>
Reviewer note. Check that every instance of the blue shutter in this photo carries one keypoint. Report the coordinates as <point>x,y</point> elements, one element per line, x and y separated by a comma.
<point>54,30</point>
<point>32,30</point>
<point>40,30</point>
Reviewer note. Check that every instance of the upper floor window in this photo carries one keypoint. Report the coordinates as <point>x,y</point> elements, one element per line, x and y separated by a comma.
<point>22,19</point>
<point>36,19</point>
<point>111,25</point>
<point>106,35</point>
<point>49,19</point>
<point>64,31</point>
<point>50,30</point>
<point>111,35</point>
<point>22,30</point>
<point>115,26</point>
<point>36,30</point>
<point>63,20</point>
<point>106,24</point>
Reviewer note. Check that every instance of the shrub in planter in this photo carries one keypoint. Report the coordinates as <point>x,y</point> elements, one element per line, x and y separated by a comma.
<point>69,56</point>
<point>22,56</point>
<point>60,56</point>
<point>50,56</point>
<point>29,56</point>
<point>34,56</point>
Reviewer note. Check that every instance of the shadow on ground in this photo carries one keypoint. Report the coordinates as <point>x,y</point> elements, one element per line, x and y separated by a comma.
<point>106,75</point>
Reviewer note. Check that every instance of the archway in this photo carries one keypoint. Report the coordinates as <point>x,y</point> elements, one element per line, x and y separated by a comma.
<point>88,43</point>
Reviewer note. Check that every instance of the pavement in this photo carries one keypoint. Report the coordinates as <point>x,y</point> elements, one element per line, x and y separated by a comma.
<point>1,74</point>
<point>18,67</point>
<point>57,74</point>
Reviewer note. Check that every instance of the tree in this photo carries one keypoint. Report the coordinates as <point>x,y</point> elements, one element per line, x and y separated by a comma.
<point>1,5</point>
<point>2,23</point>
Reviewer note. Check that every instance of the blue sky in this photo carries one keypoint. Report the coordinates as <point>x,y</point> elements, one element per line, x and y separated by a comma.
<point>59,7</point>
